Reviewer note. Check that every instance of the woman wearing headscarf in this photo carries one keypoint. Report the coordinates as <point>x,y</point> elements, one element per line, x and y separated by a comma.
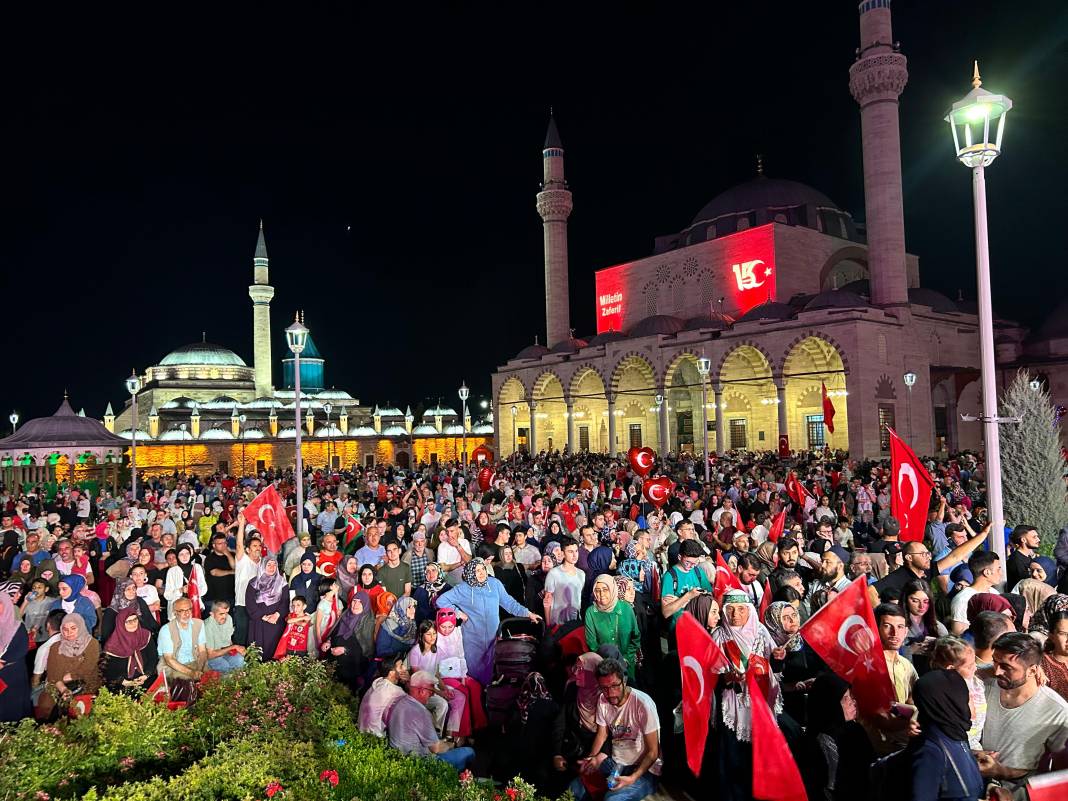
<point>352,644</point>
<point>748,645</point>
<point>368,583</point>
<point>609,621</point>
<point>73,602</point>
<point>426,594</point>
<point>799,666</point>
<point>510,573</point>
<point>479,597</point>
<point>18,586</point>
<point>1039,585</point>
<point>306,582</point>
<point>835,752</point>
<point>452,666</point>
<point>126,597</point>
<point>14,645</point>
<point>989,602</point>
<point>576,723</point>
<point>601,560</point>
<point>73,666</point>
<point>528,746</point>
<point>267,604</point>
<point>1040,626</point>
<point>396,635</point>
<point>48,572</point>
<point>534,594</point>
<point>349,575</point>
<point>124,653</point>
<point>185,580</point>
<point>119,567</point>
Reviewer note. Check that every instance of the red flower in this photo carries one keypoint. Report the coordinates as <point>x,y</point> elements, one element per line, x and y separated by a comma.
<point>329,776</point>
<point>511,792</point>
<point>466,777</point>
<point>272,788</point>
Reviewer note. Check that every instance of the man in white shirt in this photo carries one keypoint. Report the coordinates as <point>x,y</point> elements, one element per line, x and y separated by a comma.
<point>40,659</point>
<point>246,568</point>
<point>986,572</point>
<point>563,588</point>
<point>454,551</point>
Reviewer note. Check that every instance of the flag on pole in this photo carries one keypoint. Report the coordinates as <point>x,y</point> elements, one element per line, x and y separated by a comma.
<point>267,514</point>
<point>700,661</point>
<point>796,490</point>
<point>778,778</point>
<point>911,486</point>
<point>765,599</point>
<point>778,525</point>
<point>725,579</point>
<point>828,409</point>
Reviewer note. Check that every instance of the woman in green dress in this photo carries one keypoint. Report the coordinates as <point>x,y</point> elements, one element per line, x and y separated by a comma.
<point>609,621</point>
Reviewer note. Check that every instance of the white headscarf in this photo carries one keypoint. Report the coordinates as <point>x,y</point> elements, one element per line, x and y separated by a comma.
<point>751,638</point>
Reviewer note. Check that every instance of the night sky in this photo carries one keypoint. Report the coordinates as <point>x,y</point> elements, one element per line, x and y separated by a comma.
<point>395,161</point>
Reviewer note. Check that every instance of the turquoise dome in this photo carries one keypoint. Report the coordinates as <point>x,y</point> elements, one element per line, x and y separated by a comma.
<point>202,353</point>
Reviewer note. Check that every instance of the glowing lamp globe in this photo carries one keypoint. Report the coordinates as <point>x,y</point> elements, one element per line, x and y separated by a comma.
<point>133,383</point>
<point>977,122</point>
<point>297,337</point>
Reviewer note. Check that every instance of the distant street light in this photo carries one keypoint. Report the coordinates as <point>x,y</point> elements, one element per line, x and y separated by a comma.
<point>133,386</point>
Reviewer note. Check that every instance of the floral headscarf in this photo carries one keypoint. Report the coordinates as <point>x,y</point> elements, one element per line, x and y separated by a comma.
<point>119,601</point>
<point>773,623</point>
<point>269,588</point>
<point>1053,604</point>
<point>613,592</point>
<point>534,689</point>
<point>623,586</point>
<point>469,573</point>
<point>434,588</point>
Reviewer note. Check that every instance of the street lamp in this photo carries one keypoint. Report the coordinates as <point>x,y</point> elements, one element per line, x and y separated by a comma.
<point>515,431</point>
<point>297,338</point>
<point>241,418</point>
<point>970,119</point>
<point>133,386</point>
<point>704,367</point>
<point>465,393</point>
<point>329,407</point>
<point>14,418</point>
<point>910,381</point>
<point>182,428</point>
<point>484,403</point>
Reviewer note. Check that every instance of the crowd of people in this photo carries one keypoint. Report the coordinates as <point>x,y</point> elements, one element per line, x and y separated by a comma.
<point>527,626</point>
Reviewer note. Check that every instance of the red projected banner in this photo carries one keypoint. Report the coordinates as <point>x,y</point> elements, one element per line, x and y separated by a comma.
<point>741,267</point>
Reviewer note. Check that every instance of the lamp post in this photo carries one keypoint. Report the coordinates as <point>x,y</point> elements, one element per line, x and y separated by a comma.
<point>182,428</point>
<point>910,381</point>
<point>133,386</point>
<point>515,432</point>
<point>297,338</point>
<point>329,407</point>
<point>704,367</point>
<point>241,418</point>
<point>465,393</point>
<point>14,418</point>
<point>970,120</point>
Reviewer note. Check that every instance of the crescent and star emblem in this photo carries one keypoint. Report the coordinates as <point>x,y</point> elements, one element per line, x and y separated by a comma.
<point>905,471</point>
<point>843,631</point>
<point>692,663</point>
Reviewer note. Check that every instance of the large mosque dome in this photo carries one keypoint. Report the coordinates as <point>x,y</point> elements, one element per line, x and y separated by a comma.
<point>201,353</point>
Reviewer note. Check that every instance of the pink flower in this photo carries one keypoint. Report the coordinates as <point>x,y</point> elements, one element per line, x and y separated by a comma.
<point>42,795</point>
<point>329,776</point>
<point>466,777</point>
<point>272,788</point>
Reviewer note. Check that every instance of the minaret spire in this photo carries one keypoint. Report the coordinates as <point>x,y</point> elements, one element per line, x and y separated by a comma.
<point>261,293</point>
<point>554,206</point>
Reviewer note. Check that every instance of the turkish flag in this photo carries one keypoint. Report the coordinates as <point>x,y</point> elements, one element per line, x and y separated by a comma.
<point>765,599</point>
<point>777,526</point>
<point>796,490</point>
<point>700,661</point>
<point>725,579</point>
<point>352,529</point>
<point>157,691</point>
<point>267,514</point>
<point>778,778</point>
<point>1048,787</point>
<point>784,446</point>
<point>193,593</point>
<point>910,489</point>
<point>828,409</point>
<point>844,634</point>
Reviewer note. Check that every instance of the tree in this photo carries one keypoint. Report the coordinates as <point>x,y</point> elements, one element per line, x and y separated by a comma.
<point>1032,467</point>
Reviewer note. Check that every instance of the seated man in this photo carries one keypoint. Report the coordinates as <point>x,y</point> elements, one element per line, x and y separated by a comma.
<point>223,655</point>
<point>384,692</point>
<point>183,651</point>
<point>630,717</point>
<point>1024,719</point>
<point>411,727</point>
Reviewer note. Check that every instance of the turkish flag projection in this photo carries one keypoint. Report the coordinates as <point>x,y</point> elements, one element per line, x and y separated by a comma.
<point>267,515</point>
<point>828,409</point>
<point>796,490</point>
<point>910,487</point>
<point>700,661</point>
<point>778,778</point>
<point>777,526</point>
<point>725,579</point>
<point>844,634</point>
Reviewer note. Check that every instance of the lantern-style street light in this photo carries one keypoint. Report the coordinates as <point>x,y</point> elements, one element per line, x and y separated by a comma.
<point>464,393</point>
<point>133,386</point>
<point>704,367</point>
<point>297,338</point>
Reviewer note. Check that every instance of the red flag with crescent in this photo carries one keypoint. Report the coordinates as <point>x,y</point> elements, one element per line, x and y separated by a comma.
<point>725,578</point>
<point>765,600</point>
<point>700,661</point>
<point>844,634</point>
<point>157,691</point>
<point>796,490</point>
<point>193,593</point>
<point>911,486</point>
<point>828,409</point>
<point>778,778</point>
<point>778,525</point>
<point>267,514</point>
<point>352,529</point>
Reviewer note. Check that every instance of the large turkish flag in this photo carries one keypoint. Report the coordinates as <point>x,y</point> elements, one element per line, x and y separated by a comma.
<point>796,490</point>
<point>911,487</point>
<point>778,778</point>
<point>778,525</point>
<point>700,661</point>
<point>844,634</point>
<point>725,579</point>
<point>267,514</point>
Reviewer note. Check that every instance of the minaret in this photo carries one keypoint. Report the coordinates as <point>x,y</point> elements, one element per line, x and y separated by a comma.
<point>261,293</point>
<point>554,206</point>
<point>876,80</point>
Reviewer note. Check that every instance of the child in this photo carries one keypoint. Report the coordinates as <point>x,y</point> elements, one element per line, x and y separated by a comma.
<point>34,608</point>
<point>294,640</point>
<point>327,613</point>
<point>952,653</point>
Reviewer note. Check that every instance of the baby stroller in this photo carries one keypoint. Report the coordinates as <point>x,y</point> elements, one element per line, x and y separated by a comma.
<point>514,657</point>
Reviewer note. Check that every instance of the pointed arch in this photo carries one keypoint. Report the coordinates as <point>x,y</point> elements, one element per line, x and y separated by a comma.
<point>819,337</point>
<point>812,362</point>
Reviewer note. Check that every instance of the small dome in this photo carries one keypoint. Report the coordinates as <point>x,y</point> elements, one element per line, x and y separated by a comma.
<point>329,431</point>
<point>605,338</point>
<point>443,411</point>
<point>220,402</point>
<point>658,324</point>
<point>181,402</point>
<point>861,286</point>
<point>532,352</point>
<point>362,431</point>
<point>333,394</point>
<point>394,431</point>
<point>217,433</point>
<point>716,322</point>
<point>936,300</point>
<point>202,353</point>
<point>454,431</point>
<point>836,299</point>
<point>768,311</point>
<point>482,428</point>
<point>263,403</point>
<point>571,345</point>
<point>174,435</point>
<point>287,433</point>
<point>425,430</point>
<point>253,433</point>
<point>127,433</point>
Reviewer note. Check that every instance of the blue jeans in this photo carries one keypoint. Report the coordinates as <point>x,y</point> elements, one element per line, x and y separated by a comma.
<point>459,758</point>
<point>227,663</point>
<point>645,785</point>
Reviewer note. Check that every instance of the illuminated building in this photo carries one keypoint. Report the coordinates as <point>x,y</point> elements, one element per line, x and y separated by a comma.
<point>787,296</point>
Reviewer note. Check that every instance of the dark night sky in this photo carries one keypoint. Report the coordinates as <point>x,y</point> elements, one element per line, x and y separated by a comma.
<point>141,151</point>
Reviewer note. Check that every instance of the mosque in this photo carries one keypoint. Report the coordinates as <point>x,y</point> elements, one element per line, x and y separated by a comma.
<point>202,407</point>
<point>770,308</point>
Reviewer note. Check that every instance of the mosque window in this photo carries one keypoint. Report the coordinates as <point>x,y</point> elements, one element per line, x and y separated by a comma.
<point>815,430</point>
<point>650,300</point>
<point>886,422</point>
<point>690,267</point>
<point>635,435</point>
<point>739,439</point>
<point>678,296</point>
<point>706,289</point>
<point>842,227</point>
<point>584,438</point>
<point>663,273</point>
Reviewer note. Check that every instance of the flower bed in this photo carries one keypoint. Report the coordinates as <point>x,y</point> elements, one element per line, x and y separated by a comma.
<point>279,730</point>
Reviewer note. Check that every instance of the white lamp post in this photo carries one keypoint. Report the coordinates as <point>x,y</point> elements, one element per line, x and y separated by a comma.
<point>297,338</point>
<point>704,367</point>
<point>971,119</point>
<point>241,418</point>
<point>515,431</point>
<point>133,386</point>
<point>910,381</point>
<point>182,428</point>
<point>14,419</point>
<point>465,393</point>
<point>329,407</point>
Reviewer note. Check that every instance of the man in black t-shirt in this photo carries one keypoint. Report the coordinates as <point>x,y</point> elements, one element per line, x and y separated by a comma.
<point>219,572</point>
<point>1025,542</point>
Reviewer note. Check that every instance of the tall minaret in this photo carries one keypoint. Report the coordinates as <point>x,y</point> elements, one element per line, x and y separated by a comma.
<point>261,293</point>
<point>876,80</point>
<point>554,206</point>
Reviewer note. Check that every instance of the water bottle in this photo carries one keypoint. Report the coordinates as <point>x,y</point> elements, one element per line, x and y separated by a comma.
<point>613,778</point>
